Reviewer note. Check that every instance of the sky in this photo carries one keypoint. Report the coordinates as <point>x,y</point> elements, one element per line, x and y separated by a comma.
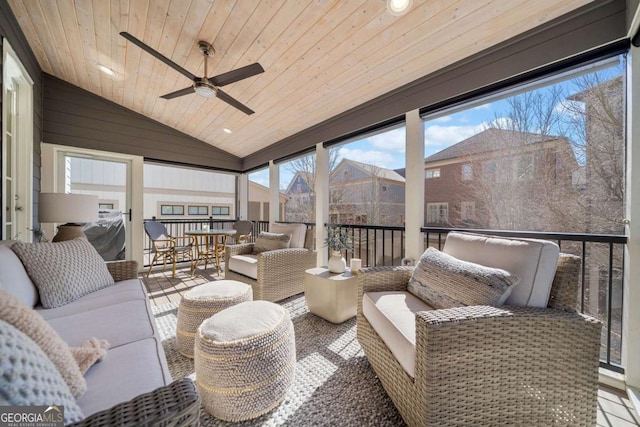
<point>387,149</point>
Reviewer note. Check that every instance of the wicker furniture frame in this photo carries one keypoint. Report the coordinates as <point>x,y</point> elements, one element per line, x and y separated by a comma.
<point>489,366</point>
<point>176,404</point>
<point>280,272</point>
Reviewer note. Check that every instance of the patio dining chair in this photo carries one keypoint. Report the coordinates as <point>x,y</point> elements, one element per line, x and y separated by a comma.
<point>166,247</point>
<point>243,231</point>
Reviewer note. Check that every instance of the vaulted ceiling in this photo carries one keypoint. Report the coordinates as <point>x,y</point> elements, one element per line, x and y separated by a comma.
<point>320,57</point>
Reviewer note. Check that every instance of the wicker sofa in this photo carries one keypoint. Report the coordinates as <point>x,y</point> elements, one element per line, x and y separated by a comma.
<point>485,366</point>
<point>277,274</point>
<point>132,385</point>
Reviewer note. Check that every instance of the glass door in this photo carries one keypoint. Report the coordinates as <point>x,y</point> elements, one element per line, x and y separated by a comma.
<point>110,180</point>
<point>17,149</point>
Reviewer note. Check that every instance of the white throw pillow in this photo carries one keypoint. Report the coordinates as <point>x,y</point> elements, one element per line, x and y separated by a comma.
<point>63,271</point>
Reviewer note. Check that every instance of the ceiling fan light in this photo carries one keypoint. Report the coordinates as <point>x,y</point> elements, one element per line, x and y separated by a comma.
<point>205,91</point>
<point>398,7</point>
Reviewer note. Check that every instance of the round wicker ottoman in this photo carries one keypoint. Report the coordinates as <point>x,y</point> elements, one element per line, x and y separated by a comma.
<point>245,360</point>
<point>202,302</point>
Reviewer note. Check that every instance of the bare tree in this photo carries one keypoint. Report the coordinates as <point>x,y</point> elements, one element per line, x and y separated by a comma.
<point>596,117</point>
<point>522,172</point>
<point>301,206</point>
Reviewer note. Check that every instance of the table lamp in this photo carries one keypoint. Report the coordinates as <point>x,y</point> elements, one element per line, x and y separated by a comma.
<point>72,209</point>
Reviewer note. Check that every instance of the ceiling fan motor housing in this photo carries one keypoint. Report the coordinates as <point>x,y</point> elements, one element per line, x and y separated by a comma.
<point>203,87</point>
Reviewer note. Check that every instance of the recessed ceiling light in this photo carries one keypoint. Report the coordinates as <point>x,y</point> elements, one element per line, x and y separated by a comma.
<point>108,71</point>
<point>398,7</point>
<point>227,130</point>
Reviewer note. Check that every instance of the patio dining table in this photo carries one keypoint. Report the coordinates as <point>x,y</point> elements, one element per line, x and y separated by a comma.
<point>204,249</point>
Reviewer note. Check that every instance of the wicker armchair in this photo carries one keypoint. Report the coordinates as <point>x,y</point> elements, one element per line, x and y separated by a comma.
<point>280,272</point>
<point>486,366</point>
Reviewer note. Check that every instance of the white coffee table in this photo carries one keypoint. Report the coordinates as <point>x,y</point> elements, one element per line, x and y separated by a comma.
<point>331,296</point>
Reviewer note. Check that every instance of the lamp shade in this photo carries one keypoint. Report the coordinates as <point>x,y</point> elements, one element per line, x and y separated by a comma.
<point>66,208</point>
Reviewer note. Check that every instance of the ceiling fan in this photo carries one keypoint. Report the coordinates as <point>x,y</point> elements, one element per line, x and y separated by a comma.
<point>208,87</point>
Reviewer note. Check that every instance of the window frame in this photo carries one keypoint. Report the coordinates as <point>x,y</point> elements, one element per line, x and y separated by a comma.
<point>198,209</point>
<point>162,212</point>
<point>220,207</point>
<point>434,172</point>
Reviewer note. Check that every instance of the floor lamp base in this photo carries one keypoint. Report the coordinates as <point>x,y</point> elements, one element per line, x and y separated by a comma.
<point>68,232</point>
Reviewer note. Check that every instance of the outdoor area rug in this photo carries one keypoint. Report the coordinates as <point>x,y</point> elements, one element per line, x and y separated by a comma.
<point>334,383</point>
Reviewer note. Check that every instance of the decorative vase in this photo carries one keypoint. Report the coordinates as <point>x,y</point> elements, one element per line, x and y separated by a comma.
<point>337,263</point>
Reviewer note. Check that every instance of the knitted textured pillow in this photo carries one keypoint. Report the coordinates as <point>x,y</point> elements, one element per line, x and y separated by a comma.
<point>31,323</point>
<point>63,271</point>
<point>443,281</point>
<point>270,242</point>
<point>28,377</point>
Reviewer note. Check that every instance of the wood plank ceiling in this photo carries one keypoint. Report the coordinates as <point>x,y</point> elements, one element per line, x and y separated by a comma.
<point>321,57</point>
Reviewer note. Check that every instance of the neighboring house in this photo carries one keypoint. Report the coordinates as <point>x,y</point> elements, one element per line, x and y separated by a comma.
<point>604,152</point>
<point>259,202</point>
<point>604,190</point>
<point>300,205</point>
<point>360,193</point>
<point>502,179</point>
<point>169,192</point>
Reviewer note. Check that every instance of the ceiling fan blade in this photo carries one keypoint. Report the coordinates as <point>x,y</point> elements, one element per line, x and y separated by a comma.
<point>234,102</point>
<point>158,55</point>
<point>181,92</point>
<point>237,74</point>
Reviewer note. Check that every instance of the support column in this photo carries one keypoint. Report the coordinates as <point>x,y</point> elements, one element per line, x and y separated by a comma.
<point>274,192</point>
<point>243,196</point>
<point>322,202</point>
<point>414,185</point>
<point>630,313</point>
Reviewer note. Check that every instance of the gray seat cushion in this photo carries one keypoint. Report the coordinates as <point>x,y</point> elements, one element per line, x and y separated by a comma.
<point>119,324</point>
<point>126,290</point>
<point>127,371</point>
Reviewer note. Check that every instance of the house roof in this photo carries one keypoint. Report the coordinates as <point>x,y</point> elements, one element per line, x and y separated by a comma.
<point>373,170</point>
<point>321,59</point>
<point>489,140</point>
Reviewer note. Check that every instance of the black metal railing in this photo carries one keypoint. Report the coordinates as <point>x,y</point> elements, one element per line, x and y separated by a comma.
<point>375,245</point>
<point>601,278</point>
<point>178,227</point>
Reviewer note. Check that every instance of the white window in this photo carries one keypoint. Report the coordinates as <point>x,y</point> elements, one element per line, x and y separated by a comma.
<point>438,213</point>
<point>172,210</point>
<point>432,173</point>
<point>467,172</point>
<point>468,211</point>
<point>198,210</point>
<point>219,210</point>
